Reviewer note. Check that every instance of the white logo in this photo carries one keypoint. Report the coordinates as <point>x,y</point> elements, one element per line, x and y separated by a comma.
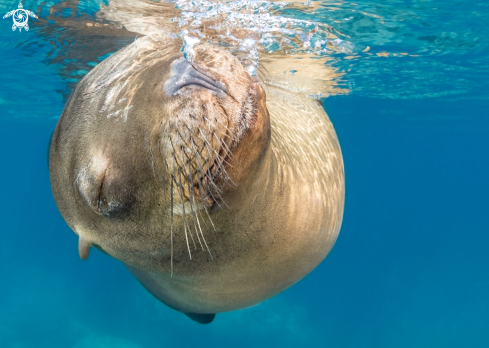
<point>20,17</point>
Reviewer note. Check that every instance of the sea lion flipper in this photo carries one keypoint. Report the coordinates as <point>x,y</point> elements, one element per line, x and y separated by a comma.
<point>201,318</point>
<point>83,248</point>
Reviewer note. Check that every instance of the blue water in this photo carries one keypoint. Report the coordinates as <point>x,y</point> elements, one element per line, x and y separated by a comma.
<point>410,267</point>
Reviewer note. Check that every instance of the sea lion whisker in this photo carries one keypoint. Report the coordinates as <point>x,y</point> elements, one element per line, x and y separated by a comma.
<point>202,176</point>
<point>210,178</point>
<point>210,181</point>
<point>190,201</point>
<point>197,156</point>
<point>181,148</point>
<point>210,130</point>
<point>219,159</point>
<point>195,152</point>
<point>226,151</point>
<point>183,207</point>
<point>183,140</point>
<point>205,207</point>
<point>191,208</point>
<point>223,144</point>
<point>206,144</point>
<point>208,121</point>
<point>228,147</point>
<point>200,228</point>
<point>231,137</point>
<point>217,190</point>
<point>221,166</point>
<point>197,218</point>
<point>199,212</point>
<point>210,156</point>
<point>218,193</point>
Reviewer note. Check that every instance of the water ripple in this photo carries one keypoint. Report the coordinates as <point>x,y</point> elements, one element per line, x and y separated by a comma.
<point>390,49</point>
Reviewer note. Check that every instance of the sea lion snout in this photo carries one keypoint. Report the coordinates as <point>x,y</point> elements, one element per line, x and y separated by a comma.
<point>215,112</point>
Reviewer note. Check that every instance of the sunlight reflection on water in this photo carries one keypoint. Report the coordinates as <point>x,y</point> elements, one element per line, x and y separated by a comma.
<point>392,49</point>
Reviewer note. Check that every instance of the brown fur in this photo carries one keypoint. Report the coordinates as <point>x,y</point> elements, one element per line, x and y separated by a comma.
<point>205,225</point>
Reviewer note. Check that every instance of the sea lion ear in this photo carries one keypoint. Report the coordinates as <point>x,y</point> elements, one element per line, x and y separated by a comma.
<point>201,318</point>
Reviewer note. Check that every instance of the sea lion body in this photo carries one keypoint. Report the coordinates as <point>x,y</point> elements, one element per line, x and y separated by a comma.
<point>132,177</point>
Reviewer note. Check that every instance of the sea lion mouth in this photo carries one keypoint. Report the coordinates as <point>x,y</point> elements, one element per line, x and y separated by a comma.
<point>184,74</point>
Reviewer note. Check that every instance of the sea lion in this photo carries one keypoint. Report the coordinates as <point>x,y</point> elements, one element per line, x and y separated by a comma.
<point>216,190</point>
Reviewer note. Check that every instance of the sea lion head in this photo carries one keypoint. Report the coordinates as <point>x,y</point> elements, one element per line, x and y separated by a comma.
<point>149,141</point>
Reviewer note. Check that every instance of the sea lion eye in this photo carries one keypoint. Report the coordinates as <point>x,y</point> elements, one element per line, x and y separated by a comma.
<point>105,192</point>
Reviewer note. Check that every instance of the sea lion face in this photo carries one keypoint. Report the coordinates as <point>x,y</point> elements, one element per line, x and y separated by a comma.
<point>150,139</point>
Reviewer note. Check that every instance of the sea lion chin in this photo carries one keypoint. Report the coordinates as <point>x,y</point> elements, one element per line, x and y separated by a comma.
<point>170,165</point>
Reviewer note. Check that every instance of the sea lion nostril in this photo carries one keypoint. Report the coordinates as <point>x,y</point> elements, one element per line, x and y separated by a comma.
<point>184,74</point>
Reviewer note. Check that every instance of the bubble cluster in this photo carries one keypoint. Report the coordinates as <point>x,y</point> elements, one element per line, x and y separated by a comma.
<point>249,26</point>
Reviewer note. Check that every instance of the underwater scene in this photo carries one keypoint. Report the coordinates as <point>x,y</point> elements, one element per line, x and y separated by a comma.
<point>405,84</point>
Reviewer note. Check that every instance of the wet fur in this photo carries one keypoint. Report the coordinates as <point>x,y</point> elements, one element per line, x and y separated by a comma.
<point>214,201</point>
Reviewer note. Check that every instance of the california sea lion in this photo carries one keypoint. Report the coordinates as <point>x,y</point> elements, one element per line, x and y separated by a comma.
<point>215,190</point>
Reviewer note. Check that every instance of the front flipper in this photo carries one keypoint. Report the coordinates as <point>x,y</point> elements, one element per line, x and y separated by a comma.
<point>201,318</point>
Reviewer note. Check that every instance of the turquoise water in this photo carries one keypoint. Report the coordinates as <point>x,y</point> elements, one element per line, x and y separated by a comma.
<point>410,266</point>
